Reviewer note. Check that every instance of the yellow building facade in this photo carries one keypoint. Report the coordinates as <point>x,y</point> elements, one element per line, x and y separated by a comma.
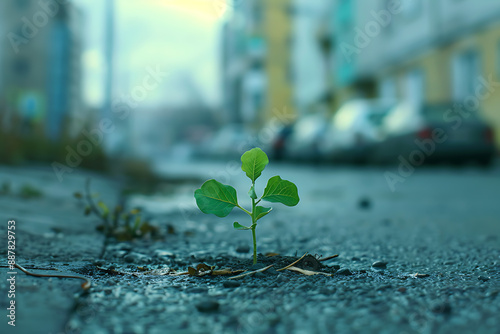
<point>436,66</point>
<point>276,30</point>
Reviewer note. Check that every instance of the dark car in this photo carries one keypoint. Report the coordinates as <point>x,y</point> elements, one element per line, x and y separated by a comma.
<point>434,133</point>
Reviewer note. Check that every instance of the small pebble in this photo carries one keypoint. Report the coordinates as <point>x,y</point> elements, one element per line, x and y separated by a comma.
<point>243,249</point>
<point>305,286</point>
<point>483,278</point>
<point>364,203</point>
<point>282,278</point>
<point>231,284</point>
<point>271,271</point>
<point>164,253</point>
<point>133,257</point>
<point>441,308</point>
<point>379,264</point>
<point>257,266</point>
<point>195,289</point>
<point>355,259</point>
<point>344,271</point>
<point>208,305</point>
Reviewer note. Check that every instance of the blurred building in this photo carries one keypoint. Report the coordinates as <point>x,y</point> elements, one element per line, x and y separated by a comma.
<point>257,82</point>
<point>310,54</point>
<point>421,51</point>
<point>40,66</point>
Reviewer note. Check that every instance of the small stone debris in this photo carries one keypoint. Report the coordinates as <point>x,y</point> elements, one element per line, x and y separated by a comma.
<point>421,275</point>
<point>199,289</point>
<point>365,203</point>
<point>483,278</point>
<point>305,286</point>
<point>257,266</point>
<point>309,262</point>
<point>441,308</point>
<point>282,278</point>
<point>231,284</point>
<point>134,257</point>
<point>243,249</point>
<point>207,306</point>
<point>164,253</point>
<point>379,265</point>
<point>344,271</point>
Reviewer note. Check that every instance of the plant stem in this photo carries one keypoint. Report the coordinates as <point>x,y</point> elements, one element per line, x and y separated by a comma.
<point>254,245</point>
<point>254,225</point>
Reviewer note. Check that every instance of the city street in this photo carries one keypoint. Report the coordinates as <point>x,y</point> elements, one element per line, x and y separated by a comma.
<point>438,232</point>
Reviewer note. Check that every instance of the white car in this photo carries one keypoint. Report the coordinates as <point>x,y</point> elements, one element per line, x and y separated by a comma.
<point>354,130</point>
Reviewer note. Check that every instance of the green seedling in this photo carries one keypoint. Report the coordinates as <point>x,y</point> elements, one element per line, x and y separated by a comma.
<point>116,222</point>
<point>220,199</point>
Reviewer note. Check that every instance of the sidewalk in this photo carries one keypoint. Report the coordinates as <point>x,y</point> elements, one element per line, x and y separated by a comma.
<point>440,245</point>
<point>51,232</point>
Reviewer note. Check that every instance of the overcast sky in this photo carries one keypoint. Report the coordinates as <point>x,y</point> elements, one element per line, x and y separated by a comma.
<point>179,36</point>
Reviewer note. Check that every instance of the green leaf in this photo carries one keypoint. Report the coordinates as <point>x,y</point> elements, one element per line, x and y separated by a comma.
<point>238,226</point>
<point>215,197</point>
<point>281,191</point>
<point>253,163</point>
<point>261,211</point>
<point>103,207</point>
<point>252,193</point>
<point>135,211</point>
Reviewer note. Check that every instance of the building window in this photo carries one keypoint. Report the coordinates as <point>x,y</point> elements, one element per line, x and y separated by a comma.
<point>387,89</point>
<point>465,74</point>
<point>414,88</point>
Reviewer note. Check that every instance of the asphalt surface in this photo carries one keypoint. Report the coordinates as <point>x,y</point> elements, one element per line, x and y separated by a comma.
<point>438,232</point>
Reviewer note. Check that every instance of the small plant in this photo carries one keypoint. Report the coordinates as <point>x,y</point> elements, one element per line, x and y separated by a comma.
<point>219,199</point>
<point>27,191</point>
<point>116,223</point>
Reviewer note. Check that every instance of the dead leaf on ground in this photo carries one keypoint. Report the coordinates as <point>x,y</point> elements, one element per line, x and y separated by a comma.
<point>293,263</point>
<point>252,272</point>
<point>309,262</point>
<point>328,258</point>
<point>204,270</point>
<point>417,275</point>
<point>308,272</point>
<point>271,254</point>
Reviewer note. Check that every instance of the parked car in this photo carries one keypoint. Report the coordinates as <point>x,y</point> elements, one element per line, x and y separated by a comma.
<point>273,139</point>
<point>354,130</point>
<point>230,142</point>
<point>440,132</point>
<point>305,137</point>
